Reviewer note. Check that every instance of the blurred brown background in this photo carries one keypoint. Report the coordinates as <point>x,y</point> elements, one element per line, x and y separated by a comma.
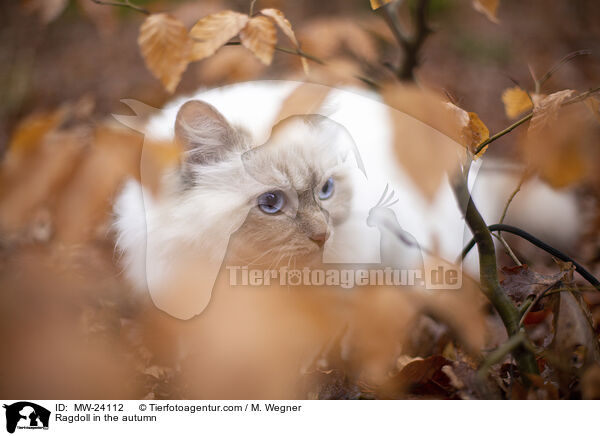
<point>69,325</point>
<point>90,49</point>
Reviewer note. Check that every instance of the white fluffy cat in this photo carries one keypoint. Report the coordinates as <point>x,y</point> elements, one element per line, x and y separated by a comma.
<point>307,188</point>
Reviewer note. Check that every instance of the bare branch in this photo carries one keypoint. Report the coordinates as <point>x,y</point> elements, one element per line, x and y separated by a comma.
<point>488,273</point>
<point>410,44</point>
<point>527,117</point>
<point>299,52</point>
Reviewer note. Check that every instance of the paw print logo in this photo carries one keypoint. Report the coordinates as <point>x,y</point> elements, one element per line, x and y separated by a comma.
<point>294,277</point>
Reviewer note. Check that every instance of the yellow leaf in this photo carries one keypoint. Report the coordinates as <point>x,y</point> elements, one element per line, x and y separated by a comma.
<point>286,28</point>
<point>516,101</point>
<point>376,4</point>
<point>213,31</point>
<point>165,45</point>
<point>472,130</point>
<point>477,132</point>
<point>488,8</point>
<point>259,36</point>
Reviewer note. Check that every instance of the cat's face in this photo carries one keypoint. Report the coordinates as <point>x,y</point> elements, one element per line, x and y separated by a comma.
<point>290,192</point>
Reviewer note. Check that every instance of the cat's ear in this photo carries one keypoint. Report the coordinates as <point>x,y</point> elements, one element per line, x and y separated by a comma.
<point>204,133</point>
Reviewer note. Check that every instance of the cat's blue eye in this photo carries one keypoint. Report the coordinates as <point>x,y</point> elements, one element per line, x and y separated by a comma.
<point>327,189</point>
<point>271,202</point>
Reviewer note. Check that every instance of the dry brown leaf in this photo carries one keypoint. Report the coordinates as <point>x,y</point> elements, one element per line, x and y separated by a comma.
<point>84,205</point>
<point>563,150</point>
<point>41,176</point>
<point>423,377</point>
<point>594,104</point>
<point>575,342</point>
<point>520,282</point>
<point>427,136</point>
<point>488,8</point>
<point>31,130</point>
<point>47,10</point>
<point>305,99</point>
<point>286,27</point>
<point>376,4</point>
<point>590,383</point>
<point>545,108</point>
<point>516,101</point>
<point>260,36</point>
<point>165,45</point>
<point>213,31</point>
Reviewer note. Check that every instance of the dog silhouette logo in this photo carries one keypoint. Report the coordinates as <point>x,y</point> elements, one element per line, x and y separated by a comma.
<point>26,415</point>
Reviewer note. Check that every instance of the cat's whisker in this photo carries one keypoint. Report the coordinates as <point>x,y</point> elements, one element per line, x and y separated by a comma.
<point>260,256</point>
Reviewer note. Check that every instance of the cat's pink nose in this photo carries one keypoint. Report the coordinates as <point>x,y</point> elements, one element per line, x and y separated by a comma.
<point>320,238</point>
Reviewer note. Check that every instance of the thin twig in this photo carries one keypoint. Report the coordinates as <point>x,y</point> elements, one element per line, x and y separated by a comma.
<point>560,63</point>
<point>540,244</point>
<point>124,4</point>
<point>503,132</point>
<point>252,3</point>
<point>299,52</point>
<point>514,193</point>
<point>509,251</point>
<point>499,353</point>
<point>527,117</point>
<point>504,212</point>
<point>535,301</point>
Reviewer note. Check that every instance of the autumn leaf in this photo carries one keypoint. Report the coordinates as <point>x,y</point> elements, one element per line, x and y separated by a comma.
<point>520,282</point>
<point>423,127</point>
<point>478,132</point>
<point>165,45</point>
<point>420,377</point>
<point>286,28</point>
<point>561,141</point>
<point>575,342</point>
<point>472,130</point>
<point>545,109</point>
<point>594,104</point>
<point>213,31</point>
<point>305,99</point>
<point>259,36</point>
<point>516,101</point>
<point>30,131</point>
<point>487,8</point>
<point>376,4</point>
